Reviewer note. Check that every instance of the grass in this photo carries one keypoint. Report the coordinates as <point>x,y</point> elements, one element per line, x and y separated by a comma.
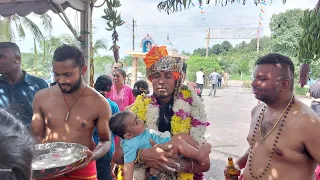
<point>245,77</point>
<point>299,90</point>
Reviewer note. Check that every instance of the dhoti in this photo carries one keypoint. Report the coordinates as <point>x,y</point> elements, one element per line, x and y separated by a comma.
<point>87,173</point>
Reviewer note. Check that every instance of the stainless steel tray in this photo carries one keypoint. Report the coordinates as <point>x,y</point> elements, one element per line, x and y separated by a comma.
<point>55,159</point>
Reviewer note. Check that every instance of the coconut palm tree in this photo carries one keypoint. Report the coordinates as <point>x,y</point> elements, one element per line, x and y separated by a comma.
<point>171,6</point>
<point>99,44</point>
<point>16,26</point>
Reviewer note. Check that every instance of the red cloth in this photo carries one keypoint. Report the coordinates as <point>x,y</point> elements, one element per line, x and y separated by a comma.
<point>87,173</point>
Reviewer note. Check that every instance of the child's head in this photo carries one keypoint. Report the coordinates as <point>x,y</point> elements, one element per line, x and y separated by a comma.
<point>126,125</point>
<point>140,87</point>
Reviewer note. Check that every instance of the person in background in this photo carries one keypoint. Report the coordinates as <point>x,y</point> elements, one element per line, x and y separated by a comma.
<point>120,93</point>
<point>16,147</point>
<point>225,79</point>
<point>214,76</point>
<point>184,73</point>
<point>116,66</point>
<point>314,94</point>
<point>220,79</point>
<point>104,171</point>
<point>17,87</point>
<point>200,80</point>
<point>140,87</point>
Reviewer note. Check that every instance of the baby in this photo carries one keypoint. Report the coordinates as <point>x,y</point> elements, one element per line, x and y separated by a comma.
<point>135,136</point>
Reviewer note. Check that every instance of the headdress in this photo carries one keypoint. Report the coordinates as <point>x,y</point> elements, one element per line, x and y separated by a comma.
<point>157,60</point>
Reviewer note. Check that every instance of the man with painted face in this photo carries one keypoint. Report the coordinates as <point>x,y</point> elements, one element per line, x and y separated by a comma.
<point>17,87</point>
<point>70,110</point>
<point>165,73</point>
<point>284,132</point>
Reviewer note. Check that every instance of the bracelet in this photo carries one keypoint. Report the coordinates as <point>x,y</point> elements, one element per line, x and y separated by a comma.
<point>138,157</point>
<point>192,165</point>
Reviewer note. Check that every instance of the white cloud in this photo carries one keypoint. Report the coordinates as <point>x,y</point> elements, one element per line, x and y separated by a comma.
<point>186,28</point>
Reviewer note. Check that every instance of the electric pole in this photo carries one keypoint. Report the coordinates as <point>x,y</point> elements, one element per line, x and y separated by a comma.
<point>133,24</point>
<point>208,41</point>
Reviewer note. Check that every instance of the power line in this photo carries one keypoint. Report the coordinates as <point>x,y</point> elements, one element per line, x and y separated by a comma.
<point>215,26</point>
<point>191,26</point>
<point>162,32</point>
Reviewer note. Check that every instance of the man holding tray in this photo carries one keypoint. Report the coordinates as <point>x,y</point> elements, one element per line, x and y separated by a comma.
<point>70,110</point>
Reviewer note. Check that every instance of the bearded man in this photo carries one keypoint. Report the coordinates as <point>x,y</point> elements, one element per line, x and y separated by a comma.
<point>70,110</point>
<point>173,108</point>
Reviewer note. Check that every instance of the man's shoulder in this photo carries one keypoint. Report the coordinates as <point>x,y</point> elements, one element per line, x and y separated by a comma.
<point>306,113</point>
<point>34,80</point>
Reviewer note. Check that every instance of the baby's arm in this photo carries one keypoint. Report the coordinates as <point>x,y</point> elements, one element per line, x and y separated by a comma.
<point>128,170</point>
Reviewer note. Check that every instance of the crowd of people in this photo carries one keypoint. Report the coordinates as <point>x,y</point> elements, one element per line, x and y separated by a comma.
<point>132,134</point>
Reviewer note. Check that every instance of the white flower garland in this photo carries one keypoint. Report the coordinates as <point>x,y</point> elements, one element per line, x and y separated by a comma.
<point>196,110</point>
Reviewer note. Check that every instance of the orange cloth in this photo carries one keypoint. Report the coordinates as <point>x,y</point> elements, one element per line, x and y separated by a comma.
<point>176,75</point>
<point>87,173</point>
<point>155,54</point>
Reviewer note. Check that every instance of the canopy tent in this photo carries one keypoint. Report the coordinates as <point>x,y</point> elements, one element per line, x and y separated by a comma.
<point>25,7</point>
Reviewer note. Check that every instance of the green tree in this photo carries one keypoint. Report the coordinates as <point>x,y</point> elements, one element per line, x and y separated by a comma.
<point>197,62</point>
<point>114,20</point>
<point>16,26</point>
<point>226,46</point>
<point>199,52</point>
<point>216,49</point>
<point>171,6</point>
<point>285,32</point>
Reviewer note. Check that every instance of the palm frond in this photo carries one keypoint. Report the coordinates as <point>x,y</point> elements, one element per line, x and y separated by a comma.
<point>70,39</point>
<point>46,22</point>
<point>172,6</point>
<point>35,30</point>
<point>19,27</point>
<point>5,31</point>
<point>100,44</point>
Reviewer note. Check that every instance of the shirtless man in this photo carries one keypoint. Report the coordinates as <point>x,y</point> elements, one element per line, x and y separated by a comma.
<point>284,132</point>
<point>70,110</point>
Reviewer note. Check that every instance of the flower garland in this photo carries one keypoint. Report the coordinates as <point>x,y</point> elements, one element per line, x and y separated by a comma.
<point>189,117</point>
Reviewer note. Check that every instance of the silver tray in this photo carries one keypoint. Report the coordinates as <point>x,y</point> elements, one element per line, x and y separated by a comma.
<point>55,159</point>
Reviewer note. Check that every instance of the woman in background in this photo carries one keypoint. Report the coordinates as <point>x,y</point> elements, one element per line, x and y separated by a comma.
<point>120,93</point>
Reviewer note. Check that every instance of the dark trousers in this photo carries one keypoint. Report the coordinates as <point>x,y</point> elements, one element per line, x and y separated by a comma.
<point>219,82</point>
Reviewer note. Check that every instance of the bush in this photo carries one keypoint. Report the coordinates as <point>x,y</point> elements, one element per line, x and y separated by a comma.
<point>196,62</point>
<point>246,84</point>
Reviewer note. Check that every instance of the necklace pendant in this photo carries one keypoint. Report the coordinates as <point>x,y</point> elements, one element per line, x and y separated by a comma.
<point>67,116</point>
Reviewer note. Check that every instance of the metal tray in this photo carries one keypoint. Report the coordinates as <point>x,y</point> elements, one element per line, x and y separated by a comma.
<point>55,159</point>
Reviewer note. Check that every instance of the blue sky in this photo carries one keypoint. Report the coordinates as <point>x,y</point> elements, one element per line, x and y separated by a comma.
<point>186,29</point>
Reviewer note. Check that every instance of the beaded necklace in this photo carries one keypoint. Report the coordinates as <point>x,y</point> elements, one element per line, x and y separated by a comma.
<point>258,125</point>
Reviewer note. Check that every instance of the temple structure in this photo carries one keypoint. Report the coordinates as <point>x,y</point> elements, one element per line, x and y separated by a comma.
<point>146,44</point>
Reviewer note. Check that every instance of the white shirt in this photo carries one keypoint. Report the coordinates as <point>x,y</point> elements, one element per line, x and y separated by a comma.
<point>214,77</point>
<point>199,75</point>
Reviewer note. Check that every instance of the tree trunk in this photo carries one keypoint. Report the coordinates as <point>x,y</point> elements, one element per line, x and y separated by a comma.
<point>317,6</point>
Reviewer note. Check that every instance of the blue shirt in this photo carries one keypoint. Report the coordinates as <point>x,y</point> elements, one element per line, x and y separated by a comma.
<point>17,98</point>
<point>114,109</point>
<point>131,146</point>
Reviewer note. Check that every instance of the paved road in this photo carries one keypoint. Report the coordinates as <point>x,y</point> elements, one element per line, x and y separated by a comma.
<point>229,115</point>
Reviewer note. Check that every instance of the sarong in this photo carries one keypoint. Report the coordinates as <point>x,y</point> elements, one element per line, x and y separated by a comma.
<point>87,173</point>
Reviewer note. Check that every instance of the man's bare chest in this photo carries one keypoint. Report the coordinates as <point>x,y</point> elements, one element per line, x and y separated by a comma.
<point>81,116</point>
